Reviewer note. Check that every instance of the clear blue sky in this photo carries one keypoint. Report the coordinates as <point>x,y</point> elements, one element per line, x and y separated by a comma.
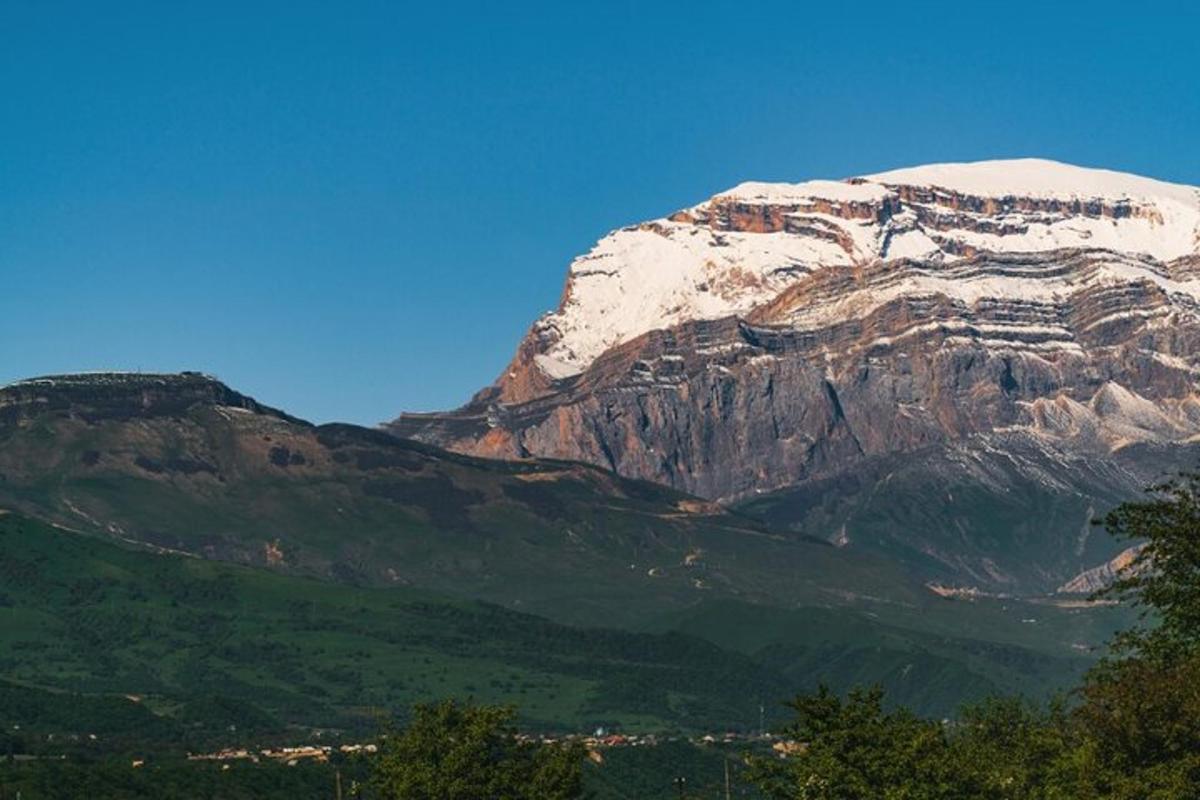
<point>353,209</point>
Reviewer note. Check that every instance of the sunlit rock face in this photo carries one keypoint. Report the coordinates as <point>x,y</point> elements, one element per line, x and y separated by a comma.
<point>781,333</point>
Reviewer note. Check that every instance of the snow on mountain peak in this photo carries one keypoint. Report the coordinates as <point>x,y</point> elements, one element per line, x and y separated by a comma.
<point>1018,177</point>
<point>743,247</point>
<point>1038,178</point>
<point>780,193</point>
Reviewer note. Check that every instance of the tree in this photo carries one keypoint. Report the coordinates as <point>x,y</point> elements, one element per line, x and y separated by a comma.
<point>1164,577</point>
<point>1133,734</point>
<point>452,751</point>
<point>1140,717</point>
<point>1008,749</point>
<point>853,749</point>
<point>1140,707</point>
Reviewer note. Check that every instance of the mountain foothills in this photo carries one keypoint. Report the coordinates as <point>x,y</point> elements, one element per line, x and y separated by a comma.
<point>182,463</point>
<point>369,556</point>
<point>955,366</point>
<point>141,647</point>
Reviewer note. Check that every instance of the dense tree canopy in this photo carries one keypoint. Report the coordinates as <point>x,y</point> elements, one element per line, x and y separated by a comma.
<point>451,751</point>
<point>1164,578</point>
<point>853,748</point>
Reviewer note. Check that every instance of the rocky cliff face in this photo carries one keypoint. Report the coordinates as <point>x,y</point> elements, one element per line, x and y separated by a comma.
<point>120,395</point>
<point>780,333</point>
<point>1103,576</point>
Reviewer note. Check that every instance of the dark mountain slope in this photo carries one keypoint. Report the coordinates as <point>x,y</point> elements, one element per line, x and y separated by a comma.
<point>164,460</point>
<point>1008,513</point>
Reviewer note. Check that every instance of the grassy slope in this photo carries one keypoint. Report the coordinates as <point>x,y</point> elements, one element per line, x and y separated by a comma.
<point>211,644</point>
<point>80,615</point>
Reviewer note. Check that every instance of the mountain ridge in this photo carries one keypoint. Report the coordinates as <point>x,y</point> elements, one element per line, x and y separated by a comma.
<point>163,461</point>
<point>108,393</point>
<point>779,334</point>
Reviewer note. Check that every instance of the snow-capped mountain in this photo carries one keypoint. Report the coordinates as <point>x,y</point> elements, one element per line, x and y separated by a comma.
<point>739,250</point>
<point>780,333</point>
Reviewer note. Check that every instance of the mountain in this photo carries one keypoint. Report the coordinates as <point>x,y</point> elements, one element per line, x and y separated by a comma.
<point>148,480</point>
<point>1038,320</point>
<point>182,463</point>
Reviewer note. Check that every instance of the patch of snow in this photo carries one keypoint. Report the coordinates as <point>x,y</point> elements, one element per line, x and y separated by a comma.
<point>1037,177</point>
<point>1172,238</point>
<point>912,244</point>
<point>796,193</point>
<point>642,279</point>
<point>554,368</point>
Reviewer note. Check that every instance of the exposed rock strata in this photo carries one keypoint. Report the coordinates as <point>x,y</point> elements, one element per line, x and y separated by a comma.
<point>780,333</point>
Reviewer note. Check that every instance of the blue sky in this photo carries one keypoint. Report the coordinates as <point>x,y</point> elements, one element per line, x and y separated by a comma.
<point>349,210</point>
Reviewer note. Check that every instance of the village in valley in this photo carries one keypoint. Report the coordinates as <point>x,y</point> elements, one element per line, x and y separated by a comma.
<point>595,743</point>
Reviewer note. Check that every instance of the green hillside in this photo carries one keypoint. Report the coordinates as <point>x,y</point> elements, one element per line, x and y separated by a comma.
<point>205,645</point>
<point>958,652</point>
<point>211,645</point>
